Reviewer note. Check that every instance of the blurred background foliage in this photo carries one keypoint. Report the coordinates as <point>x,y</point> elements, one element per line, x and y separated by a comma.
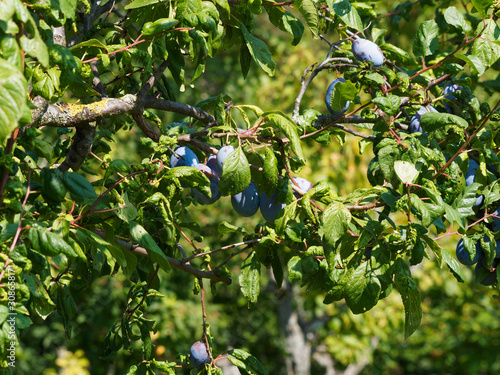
<point>460,331</point>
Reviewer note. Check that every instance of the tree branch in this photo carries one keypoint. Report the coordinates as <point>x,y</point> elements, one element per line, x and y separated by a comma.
<point>178,264</point>
<point>82,143</point>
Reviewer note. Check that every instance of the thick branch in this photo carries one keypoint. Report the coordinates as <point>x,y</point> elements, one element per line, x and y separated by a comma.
<point>82,143</point>
<point>75,115</point>
<point>64,115</point>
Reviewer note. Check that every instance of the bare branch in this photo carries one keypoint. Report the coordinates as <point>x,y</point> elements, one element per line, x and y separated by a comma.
<point>181,108</point>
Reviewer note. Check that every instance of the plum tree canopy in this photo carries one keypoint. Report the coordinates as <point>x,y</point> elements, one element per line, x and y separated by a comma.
<point>79,77</point>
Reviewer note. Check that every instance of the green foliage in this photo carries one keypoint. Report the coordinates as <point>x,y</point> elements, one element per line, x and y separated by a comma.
<point>103,210</point>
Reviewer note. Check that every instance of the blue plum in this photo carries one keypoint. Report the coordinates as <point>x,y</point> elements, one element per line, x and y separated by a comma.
<point>246,203</point>
<point>270,206</point>
<point>303,184</point>
<point>415,120</point>
<point>447,94</point>
<point>328,97</point>
<point>496,220</point>
<point>214,186</point>
<point>491,275</point>
<point>470,176</point>
<point>198,354</point>
<point>366,50</point>
<point>212,163</point>
<point>183,157</point>
<point>222,156</point>
<point>464,257</point>
<point>451,88</point>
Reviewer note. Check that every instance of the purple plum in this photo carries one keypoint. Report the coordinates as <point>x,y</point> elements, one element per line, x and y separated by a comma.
<point>328,98</point>
<point>366,50</point>
<point>222,156</point>
<point>246,203</point>
<point>198,354</point>
<point>183,157</point>
<point>415,120</point>
<point>214,186</point>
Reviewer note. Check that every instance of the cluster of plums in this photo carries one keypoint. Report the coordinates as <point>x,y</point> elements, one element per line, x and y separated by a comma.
<point>363,50</point>
<point>246,203</point>
<point>479,258</point>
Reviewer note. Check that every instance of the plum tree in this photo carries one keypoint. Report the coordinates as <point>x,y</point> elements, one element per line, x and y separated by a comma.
<point>105,108</point>
<point>463,255</point>
<point>366,50</point>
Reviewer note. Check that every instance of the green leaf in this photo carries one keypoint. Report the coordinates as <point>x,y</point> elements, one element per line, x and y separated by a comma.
<point>259,51</point>
<point>294,267</point>
<point>362,289</point>
<point>142,3</point>
<point>453,17</point>
<point>48,243</point>
<point>410,295</point>
<point>158,26</point>
<point>41,301</point>
<point>235,174</point>
<point>13,99</point>
<point>11,51</point>
<point>224,228</point>
<point>287,127</point>
<point>388,104</point>
<point>482,6</point>
<point>453,216</point>
<point>308,10</point>
<point>336,219</point>
<point>342,92</point>
<point>246,362</point>
<point>426,39</point>
<point>143,238</point>
<point>347,13</point>
<point>90,43</point>
<point>66,307</point>
<point>255,6</point>
<point>4,314</point>
<point>464,203</point>
<point>484,49</point>
<point>43,149</point>
<point>79,188</point>
<point>68,8</point>
<point>453,265</point>
<point>476,65</point>
<point>287,22</point>
<point>191,177</point>
<point>375,77</point>
<point>270,172</point>
<point>250,277</point>
<point>431,121</point>
<point>245,60</point>
<point>405,171</point>
<point>126,211</point>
